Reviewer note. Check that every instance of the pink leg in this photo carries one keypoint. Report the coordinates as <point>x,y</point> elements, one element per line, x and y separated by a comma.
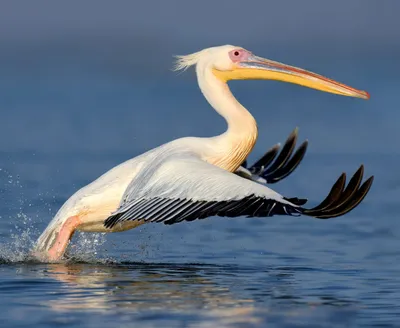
<point>63,238</point>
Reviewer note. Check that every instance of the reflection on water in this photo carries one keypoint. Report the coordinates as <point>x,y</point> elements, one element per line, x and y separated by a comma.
<point>140,286</point>
<point>224,294</point>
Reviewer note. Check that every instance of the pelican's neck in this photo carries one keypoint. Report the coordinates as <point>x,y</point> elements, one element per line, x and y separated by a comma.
<point>233,146</point>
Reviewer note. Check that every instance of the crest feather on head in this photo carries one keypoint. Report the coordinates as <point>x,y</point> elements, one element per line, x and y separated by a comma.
<point>185,61</point>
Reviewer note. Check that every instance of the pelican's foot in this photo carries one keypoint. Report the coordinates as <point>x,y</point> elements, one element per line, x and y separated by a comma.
<point>56,252</point>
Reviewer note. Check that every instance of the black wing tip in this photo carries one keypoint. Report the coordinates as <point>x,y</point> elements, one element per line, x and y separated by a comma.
<point>293,134</point>
<point>290,166</point>
<point>295,131</point>
<point>333,195</point>
<point>297,201</point>
<point>274,167</point>
<point>266,159</point>
<point>276,146</point>
<point>370,179</point>
<point>342,200</point>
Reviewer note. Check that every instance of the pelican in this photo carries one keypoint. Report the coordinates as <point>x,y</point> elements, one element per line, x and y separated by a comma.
<point>194,178</point>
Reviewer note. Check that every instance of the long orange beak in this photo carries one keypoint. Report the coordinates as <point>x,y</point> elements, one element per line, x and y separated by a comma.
<point>258,68</point>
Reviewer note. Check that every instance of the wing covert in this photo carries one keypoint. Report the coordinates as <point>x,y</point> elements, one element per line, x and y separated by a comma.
<point>187,188</point>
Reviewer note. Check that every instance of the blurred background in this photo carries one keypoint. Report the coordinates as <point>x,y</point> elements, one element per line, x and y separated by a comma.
<point>85,85</point>
<point>71,71</point>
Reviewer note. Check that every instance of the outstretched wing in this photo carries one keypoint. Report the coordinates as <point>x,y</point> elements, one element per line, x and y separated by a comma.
<point>187,188</point>
<point>271,167</point>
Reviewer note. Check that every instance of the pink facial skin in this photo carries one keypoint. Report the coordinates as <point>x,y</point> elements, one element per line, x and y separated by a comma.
<point>238,55</point>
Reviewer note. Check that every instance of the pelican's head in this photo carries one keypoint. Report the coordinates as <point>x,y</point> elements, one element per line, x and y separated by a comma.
<point>236,63</point>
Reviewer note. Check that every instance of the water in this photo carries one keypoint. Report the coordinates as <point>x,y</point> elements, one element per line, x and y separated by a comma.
<point>66,120</point>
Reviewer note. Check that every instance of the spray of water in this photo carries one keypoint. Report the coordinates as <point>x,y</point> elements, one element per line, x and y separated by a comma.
<point>85,248</point>
<point>17,244</point>
<point>22,240</point>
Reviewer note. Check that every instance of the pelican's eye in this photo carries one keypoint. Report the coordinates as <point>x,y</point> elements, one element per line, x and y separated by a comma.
<point>237,55</point>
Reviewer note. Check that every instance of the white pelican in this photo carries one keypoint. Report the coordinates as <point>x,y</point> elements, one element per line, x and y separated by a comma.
<point>193,178</point>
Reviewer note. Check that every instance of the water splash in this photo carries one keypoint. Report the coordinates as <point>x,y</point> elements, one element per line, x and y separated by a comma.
<point>23,233</point>
<point>86,248</point>
<point>16,246</point>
